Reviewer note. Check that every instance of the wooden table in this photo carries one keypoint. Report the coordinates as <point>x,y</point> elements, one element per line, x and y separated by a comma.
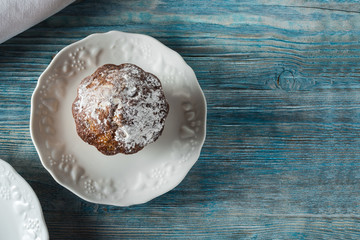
<point>282,154</point>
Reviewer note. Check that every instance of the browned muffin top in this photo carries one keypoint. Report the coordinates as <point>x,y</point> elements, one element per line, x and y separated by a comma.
<point>120,109</point>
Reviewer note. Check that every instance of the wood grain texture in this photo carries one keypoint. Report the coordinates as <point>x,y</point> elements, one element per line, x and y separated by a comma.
<point>281,159</point>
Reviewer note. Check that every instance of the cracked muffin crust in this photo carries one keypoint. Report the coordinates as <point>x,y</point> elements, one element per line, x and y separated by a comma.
<point>120,109</point>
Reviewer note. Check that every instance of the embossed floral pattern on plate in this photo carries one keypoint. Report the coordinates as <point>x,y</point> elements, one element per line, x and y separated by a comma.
<point>121,179</point>
<point>21,215</point>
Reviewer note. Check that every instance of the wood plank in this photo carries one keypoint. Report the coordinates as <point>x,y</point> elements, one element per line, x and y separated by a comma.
<point>281,158</point>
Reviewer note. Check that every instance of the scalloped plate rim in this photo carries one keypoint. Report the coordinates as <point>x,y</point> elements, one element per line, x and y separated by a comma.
<point>23,184</point>
<point>48,69</point>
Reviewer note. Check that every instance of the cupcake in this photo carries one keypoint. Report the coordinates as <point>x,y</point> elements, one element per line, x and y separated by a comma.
<point>120,109</point>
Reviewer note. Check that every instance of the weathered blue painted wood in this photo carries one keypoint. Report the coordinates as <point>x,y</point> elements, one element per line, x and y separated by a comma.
<point>281,159</point>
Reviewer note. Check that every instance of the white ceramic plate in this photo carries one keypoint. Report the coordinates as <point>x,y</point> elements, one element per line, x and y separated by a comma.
<point>21,216</point>
<point>119,180</point>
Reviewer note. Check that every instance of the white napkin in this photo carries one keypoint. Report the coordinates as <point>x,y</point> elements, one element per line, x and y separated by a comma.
<point>18,15</point>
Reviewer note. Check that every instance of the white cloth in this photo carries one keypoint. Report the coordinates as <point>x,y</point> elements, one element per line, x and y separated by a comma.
<point>18,15</point>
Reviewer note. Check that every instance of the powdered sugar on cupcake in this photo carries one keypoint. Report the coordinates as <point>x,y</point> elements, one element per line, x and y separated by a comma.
<point>122,106</point>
